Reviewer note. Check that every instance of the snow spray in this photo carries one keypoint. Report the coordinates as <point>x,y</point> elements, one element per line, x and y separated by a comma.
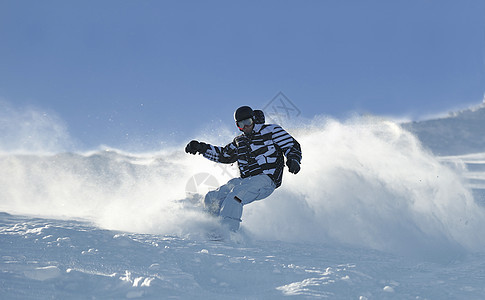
<point>367,182</point>
<point>364,182</point>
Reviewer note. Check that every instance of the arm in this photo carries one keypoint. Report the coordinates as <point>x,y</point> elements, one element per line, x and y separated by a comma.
<point>225,155</point>
<point>290,147</point>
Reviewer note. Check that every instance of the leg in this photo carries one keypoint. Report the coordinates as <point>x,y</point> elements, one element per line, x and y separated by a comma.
<point>213,199</point>
<point>248,190</point>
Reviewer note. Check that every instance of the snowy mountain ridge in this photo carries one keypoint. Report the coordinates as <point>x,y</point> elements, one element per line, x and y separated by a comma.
<point>461,132</point>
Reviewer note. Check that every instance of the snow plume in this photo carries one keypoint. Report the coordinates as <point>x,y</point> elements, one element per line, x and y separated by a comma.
<point>136,193</point>
<point>31,130</point>
<point>368,182</point>
<point>365,182</point>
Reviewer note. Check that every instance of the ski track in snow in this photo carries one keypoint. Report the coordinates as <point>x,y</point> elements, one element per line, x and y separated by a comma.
<point>472,168</point>
<point>44,259</point>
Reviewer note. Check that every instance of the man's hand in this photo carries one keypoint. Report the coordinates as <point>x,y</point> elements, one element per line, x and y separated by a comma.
<point>195,147</point>
<point>293,166</point>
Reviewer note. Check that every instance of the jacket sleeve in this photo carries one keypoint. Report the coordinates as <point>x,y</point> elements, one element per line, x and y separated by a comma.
<point>290,147</point>
<point>225,155</point>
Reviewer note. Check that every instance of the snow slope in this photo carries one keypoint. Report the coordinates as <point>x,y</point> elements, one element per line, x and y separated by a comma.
<point>45,258</point>
<point>458,133</point>
<point>372,215</point>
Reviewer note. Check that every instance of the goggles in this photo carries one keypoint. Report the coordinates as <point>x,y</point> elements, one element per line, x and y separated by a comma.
<point>243,123</point>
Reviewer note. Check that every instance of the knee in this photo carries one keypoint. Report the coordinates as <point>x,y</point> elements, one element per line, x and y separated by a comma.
<point>212,203</point>
<point>209,197</point>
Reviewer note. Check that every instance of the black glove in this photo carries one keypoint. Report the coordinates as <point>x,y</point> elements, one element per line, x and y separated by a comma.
<point>293,166</point>
<point>195,147</point>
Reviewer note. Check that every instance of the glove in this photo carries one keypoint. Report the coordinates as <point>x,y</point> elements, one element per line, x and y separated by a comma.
<point>293,166</point>
<point>195,147</point>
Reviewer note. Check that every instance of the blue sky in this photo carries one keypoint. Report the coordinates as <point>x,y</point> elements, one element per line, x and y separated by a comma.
<point>140,72</point>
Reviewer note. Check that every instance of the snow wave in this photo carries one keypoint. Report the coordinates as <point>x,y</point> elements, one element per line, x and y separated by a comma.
<point>369,182</point>
<point>366,182</point>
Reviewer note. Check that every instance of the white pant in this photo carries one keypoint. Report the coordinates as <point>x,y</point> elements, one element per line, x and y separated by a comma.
<point>225,202</point>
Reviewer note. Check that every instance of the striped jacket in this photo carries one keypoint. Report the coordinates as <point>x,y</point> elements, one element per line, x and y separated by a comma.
<point>259,153</point>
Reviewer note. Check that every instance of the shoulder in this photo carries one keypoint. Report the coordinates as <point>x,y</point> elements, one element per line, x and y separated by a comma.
<point>271,128</point>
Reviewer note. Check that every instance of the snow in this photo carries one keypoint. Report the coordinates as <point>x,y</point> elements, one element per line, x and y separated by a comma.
<point>43,273</point>
<point>457,134</point>
<point>375,213</point>
<point>43,264</point>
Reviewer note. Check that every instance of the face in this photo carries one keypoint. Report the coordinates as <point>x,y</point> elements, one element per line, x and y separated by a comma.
<point>248,129</point>
<point>246,125</point>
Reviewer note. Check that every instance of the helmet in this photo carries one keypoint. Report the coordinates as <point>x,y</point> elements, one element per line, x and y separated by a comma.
<point>243,113</point>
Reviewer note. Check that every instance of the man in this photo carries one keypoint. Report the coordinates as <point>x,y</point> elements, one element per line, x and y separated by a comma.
<point>259,153</point>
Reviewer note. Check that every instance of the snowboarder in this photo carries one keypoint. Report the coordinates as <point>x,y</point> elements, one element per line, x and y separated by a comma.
<point>259,153</point>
